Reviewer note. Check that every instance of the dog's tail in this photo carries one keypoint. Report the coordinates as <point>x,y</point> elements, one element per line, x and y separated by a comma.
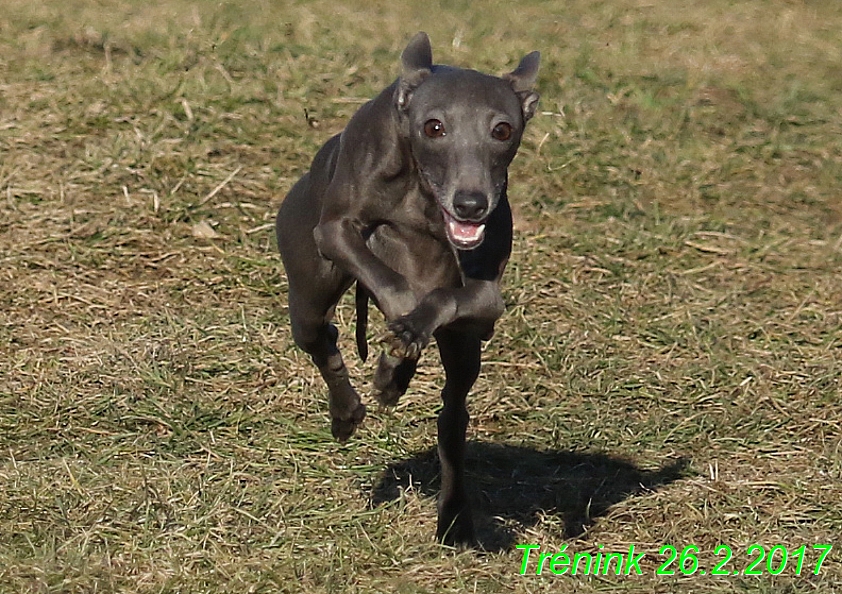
<point>361,301</point>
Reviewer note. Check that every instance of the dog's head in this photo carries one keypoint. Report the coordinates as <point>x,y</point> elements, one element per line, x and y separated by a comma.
<point>464,128</point>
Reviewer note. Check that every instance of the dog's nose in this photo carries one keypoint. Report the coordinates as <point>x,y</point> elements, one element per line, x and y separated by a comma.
<point>470,206</point>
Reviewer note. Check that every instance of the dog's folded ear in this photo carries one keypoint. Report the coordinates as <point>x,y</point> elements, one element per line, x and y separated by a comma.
<point>523,79</point>
<point>416,65</point>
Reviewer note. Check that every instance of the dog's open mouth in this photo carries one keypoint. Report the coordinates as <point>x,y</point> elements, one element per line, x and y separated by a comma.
<point>464,235</point>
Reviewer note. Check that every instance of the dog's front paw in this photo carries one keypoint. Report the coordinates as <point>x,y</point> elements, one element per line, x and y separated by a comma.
<point>456,529</point>
<point>408,338</point>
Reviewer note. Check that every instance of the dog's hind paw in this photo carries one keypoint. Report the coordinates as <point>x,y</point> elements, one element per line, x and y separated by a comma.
<point>392,378</point>
<point>343,427</point>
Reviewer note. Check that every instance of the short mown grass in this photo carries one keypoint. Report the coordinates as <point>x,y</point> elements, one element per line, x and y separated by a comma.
<point>668,371</point>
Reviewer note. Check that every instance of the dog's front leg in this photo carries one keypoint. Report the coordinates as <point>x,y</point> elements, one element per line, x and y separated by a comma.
<point>460,355</point>
<point>478,305</point>
<point>341,241</point>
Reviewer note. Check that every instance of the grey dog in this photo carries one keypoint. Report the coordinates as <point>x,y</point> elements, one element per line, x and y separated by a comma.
<point>409,202</point>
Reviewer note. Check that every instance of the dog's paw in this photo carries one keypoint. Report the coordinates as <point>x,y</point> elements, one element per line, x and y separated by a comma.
<point>408,339</point>
<point>343,426</point>
<point>456,530</point>
<point>392,378</point>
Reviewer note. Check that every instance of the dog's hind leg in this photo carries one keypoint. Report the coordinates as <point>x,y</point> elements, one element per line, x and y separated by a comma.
<point>315,287</point>
<point>315,335</point>
<point>460,356</point>
<point>394,373</point>
<point>392,378</point>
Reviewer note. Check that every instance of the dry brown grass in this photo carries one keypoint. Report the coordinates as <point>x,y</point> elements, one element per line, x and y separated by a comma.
<point>668,370</point>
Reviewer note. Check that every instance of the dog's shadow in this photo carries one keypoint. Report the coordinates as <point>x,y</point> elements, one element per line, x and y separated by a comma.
<point>510,486</point>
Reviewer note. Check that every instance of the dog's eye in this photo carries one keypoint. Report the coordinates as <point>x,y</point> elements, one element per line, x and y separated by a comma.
<point>502,131</point>
<point>434,129</point>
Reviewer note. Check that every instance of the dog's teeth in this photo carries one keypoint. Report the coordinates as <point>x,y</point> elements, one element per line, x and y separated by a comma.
<point>466,231</point>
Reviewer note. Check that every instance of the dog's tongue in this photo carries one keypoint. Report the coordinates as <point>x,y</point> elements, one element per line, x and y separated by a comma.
<point>465,234</point>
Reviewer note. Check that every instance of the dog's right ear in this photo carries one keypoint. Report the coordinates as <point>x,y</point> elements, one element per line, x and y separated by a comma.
<point>416,65</point>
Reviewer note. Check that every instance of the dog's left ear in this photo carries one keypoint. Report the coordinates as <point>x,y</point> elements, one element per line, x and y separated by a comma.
<point>522,80</point>
<point>416,65</point>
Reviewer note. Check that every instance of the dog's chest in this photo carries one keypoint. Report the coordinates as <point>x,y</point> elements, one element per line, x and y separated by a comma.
<point>426,260</point>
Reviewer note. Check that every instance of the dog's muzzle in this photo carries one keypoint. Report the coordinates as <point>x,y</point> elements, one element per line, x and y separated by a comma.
<point>464,235</point>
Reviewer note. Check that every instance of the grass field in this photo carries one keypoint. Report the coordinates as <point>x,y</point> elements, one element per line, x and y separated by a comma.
<point>668,371</point>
